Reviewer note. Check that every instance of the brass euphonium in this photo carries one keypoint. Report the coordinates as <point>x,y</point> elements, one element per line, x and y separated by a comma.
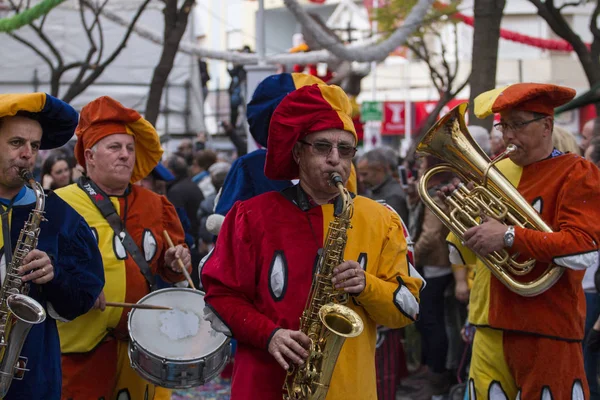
<point>325,320</point>
<point>492,195</point>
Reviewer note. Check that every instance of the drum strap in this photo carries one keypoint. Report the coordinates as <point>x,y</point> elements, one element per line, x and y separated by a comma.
<point>106,207</point>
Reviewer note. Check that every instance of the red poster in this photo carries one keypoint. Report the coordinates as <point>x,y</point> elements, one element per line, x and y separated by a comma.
<point>394,118</point>
<point>424,108</point>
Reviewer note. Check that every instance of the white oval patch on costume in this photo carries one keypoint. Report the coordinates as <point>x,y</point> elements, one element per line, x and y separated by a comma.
<point>118,248</point>
<point>149,244</point>
<point>578,261</point>
<point>546,394</point>
<point>215,322</point>
<point>454,255</point>
<point>518,396</point>
<point>405,300</point>
<point>577,392</point>
<point>278,276</point>
<point>362,260</point>
<point>95,233</point>
<point>496,392</point>
<point>123,395</point>
<point>537,205</point>
<point>3,266</point>
<point>472,395</point>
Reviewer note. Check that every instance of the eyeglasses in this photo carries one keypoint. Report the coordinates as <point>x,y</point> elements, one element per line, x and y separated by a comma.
<point>324,149</point>
<point>516,126</point>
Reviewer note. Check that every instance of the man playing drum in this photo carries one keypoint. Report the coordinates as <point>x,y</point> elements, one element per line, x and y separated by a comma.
<point>530,347</point>
<point>117,148</point>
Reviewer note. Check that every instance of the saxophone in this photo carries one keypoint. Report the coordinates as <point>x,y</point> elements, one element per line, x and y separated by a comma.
<point>19,312</point>
<point>325,320</point>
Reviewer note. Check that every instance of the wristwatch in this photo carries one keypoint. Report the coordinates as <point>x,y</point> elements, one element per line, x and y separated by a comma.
<point>509,236</point>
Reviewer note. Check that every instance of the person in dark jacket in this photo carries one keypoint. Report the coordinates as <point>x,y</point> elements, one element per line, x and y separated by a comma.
<point>64,272</point>
<point>375,174</point>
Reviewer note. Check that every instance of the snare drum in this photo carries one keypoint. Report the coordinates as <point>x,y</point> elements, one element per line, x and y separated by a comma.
<point>176,349</point>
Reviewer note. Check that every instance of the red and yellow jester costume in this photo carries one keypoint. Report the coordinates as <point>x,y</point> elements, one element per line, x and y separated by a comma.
<point>259,275</point>
<point>95,344</point>
<point>530,347</point>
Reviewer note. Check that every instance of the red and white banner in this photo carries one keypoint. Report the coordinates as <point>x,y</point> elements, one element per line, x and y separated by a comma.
<point>394,118</point>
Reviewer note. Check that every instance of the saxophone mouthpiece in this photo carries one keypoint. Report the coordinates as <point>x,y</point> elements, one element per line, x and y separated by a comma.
<point>26,174</point>
<point>336,178</point>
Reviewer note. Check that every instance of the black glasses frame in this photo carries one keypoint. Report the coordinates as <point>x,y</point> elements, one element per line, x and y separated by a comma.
<point>517,126</point>
<point>331,146</point>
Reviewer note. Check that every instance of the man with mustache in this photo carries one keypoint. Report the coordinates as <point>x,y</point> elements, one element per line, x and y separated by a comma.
<point>258,277</point>
<point>530,347</point>
<point>64,271</point>
<point>117,148</point>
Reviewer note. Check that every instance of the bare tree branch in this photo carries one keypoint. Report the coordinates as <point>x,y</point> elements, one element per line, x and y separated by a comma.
<point>594,22</point>
<point>100,35</point>
<point>366,53</point>
<point>568,4</point>
<point>32,47</point>
<point>75,90</point>
<point>588,57</point>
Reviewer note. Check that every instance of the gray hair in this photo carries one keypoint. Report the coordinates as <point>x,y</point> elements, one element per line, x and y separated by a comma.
<point>482,137</point>
<point>379,156</point>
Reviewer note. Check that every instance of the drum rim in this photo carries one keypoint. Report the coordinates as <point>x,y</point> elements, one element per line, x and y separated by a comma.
<point>144,350</point>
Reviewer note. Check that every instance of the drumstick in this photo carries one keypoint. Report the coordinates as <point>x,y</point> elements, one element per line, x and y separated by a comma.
<point>183,268</point>
<point>134,305</point>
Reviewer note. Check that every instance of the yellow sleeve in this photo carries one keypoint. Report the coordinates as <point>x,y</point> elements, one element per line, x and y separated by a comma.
<point>459,254</point>
<point>391,294</point>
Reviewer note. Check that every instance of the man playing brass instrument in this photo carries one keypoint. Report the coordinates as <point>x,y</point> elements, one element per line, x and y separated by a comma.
<point>259,275</point>
<point>530,347</point>
<point>65,269</point>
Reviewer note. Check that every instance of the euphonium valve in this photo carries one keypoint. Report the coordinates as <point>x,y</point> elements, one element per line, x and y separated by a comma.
<point>490,194</point>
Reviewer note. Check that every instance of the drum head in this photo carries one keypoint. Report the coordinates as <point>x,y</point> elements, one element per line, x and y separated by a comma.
<point>177,334</point>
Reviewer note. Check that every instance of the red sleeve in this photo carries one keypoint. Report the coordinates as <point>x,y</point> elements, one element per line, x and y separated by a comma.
<point>172,225</point>
<point>229,277</point>
<point>577,216</point>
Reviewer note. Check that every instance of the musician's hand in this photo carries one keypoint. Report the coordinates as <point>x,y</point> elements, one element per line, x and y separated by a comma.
<point>412,194</point>
<point>294,345</point>
<point>461,291</point>
<point>41,266</point>
<point>100,303</point>
<point>448,189</point>
<point>487,237</point>
<point>349,276</point>
<point>173,253</point>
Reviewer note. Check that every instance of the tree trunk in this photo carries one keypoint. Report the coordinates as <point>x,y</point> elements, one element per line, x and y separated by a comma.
<point>486,35</point>
<point>175,25</point>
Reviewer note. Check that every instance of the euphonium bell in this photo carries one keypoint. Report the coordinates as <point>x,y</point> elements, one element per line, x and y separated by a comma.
<point>492,195</point>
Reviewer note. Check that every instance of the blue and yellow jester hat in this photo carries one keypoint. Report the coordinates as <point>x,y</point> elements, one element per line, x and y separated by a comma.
<point>266,98</point>
<point>57,118</point>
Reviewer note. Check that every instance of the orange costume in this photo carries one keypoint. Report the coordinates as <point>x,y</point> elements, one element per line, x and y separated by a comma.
<point>529,347</point>
<point>94,346</point>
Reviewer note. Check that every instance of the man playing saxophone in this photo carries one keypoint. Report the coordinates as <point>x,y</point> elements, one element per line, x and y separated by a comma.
<point>259,275</point>
<point>64,272</point>
<point>530,347</point>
